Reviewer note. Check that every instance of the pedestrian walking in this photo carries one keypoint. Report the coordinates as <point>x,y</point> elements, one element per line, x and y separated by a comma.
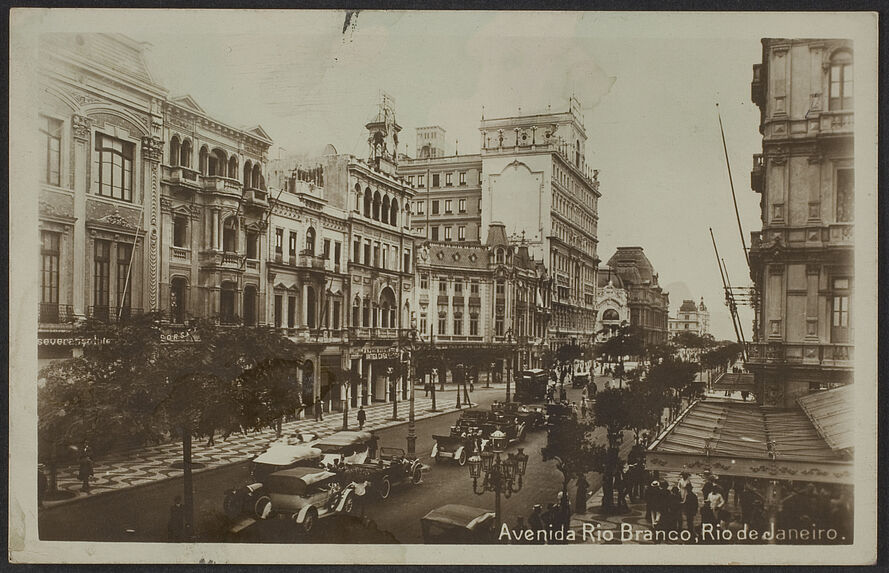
<point>717,502</point>
<point>684,480</point>
<point>690,507</point>
<point>176,524</point>
<point>319,416</point>
<point>362,417</point>
<point>42,485</point>
<point>85,471</point>
<point>674,509</point>
<point>564,506</point>
<point>535,520</point>
<point>563,396</point>
<point>652,504</point>
<point>620,486</point>
<point>582,494</point>
<point>583,407</point>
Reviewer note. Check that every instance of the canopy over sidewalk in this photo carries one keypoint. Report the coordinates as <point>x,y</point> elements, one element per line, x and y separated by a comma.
<point>734,382</point>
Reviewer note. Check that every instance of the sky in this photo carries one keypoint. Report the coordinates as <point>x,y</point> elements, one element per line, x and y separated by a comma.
<point>649,89</point>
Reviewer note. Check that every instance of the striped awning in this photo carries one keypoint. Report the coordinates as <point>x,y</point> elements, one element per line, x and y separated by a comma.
<point>832,414</point>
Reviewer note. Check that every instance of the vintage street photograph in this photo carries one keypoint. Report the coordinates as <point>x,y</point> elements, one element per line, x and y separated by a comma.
<point>531,287</point>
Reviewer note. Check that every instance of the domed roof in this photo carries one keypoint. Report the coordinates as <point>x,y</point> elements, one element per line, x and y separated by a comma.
<point>688,306</point>
<point>633,266</point>
<point>608,276</point>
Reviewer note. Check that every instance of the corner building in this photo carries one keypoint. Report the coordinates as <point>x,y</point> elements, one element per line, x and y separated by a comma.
<point>802,259</point>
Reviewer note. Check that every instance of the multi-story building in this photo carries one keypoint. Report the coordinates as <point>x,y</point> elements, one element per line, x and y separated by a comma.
<point>536,180</point>
<point>491,295</point>
<point>101,120</point>
<point>690,317</point>
<point>611,305</point>
<point>648,304</point>
<point>802,259</point>
<point>447,204</point>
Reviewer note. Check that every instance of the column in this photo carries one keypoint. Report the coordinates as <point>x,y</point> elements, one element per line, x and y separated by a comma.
<point>81,131</point>
<point>369,382</point>
<point>152,152</point>
<point>214,230</point>
<point>359,388</point>
<point>304,317</point>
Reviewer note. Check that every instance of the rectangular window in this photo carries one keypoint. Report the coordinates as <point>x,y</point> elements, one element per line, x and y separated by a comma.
<point>407,262</point>
<point>356,250</point>
<point>500,287</point>
<point>252,245</point>
<point>385,259</point>
<point>461,205</point>
<point>291,311</point>
<point>443,287</point>
<point>376,254</point>
<point>458,324</point>
<point>447,235</point>
<point>435,207</point>
<point>435,180</point>
<point>498,325</point>
<point>50,252</point>
<point>424,281</point>
<point>325,252</point>
<point>337,251</point>
<point>367,252</point>
<point>51,135</point>
<point>435,233</point>
<point>423,324</point>
<point>124,278</point>
<point>102,277</point>
<point>473,324</point>
<point>279,241</point>
<point>410,180</point>
<point>114,165</point>
<point>458,287</point>
<point>479,205</point>
<point>292,244</point>
<point>336,314</point>
<point>449,179</point>
<point>473,287</point>
<point>421,181</point>
<point>845,191</point>
<point>442,324</point>
<point>462,178</point>
<point>447,205</point>
<point>461,233</point>
<point>421,207</point>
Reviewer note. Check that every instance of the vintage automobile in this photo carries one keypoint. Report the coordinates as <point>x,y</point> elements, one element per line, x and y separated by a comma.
<point>347,447</point>
<point>457,447</point>
<point>305,495</point>
<point>532,415</point>
<point>279,456</point>
<point>558,412</point>
<point>512,425</point>
<point>531,385</point>
<point>392,468</point>
<point>459,524</point>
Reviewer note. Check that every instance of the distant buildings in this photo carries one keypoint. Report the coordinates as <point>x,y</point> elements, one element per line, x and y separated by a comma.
<point>611,303</point>
<point>690,317</point>
<point>802,259</point>
<point>647,303</point>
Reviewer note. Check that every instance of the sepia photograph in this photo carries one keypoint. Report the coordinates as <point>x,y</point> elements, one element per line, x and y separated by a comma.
<point>336,286</point>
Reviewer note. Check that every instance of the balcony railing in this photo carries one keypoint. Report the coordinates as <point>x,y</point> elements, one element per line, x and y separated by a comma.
<point>53,313</point>
<point>757,174</point>
<point>256,196</point>
<point>182,177</point>
<point>362,332</point>
<point>837,122</point>
<point>180,254</point>
<point>252,265</point>
<point>219,184</point>
<point>113,313</point>
<point>822,355</point>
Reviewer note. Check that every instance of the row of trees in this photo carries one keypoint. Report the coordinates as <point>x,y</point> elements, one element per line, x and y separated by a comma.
<point>147,387</point>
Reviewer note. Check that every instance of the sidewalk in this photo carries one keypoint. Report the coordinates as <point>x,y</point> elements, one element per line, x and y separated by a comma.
<point>153,463</point>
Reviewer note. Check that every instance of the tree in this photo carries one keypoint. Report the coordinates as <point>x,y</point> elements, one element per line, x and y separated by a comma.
<point>672,378</point>
<point>144,388</point>
<point>570,443</point>
<point>568,353</point>
<point>626,342</point>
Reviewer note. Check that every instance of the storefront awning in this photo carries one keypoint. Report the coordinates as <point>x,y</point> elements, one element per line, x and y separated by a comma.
<point>744,440</point>
<point>734,382</point>
<point>833,415</point>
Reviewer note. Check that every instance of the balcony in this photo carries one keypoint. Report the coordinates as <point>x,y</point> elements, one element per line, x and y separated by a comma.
<point>377,333</point>
<point>253,265</point>
<point>180,255</point>
<point>757,86</point>
<point>837,123</point>
<point>219,184</point>
<point>443,300</point>
<point>475,300</point>
<point>258,197</point>
<point>228,260</point>
<point>842,234</point>
<point>458,300</point>
<point>113,313</point>
<point>182,178</point>
<point>757,174</point>
<point>307,260</point>
<point>53,313</point>
<point>840,356</point>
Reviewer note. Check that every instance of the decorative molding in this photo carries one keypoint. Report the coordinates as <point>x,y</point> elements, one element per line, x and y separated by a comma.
<point>80,127</point>
<point>153,148</point>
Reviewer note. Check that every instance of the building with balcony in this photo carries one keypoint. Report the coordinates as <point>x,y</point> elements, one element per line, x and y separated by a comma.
<point>690,317</point>
<point>802,259</point>
<point>490,295</point>
<point>100,120</point>
<point>648,304</point>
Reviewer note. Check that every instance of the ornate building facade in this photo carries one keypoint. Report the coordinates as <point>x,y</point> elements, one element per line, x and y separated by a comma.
<point>612,307</point>
<point>691,317</point>
<point>802,259</point>
<point>648,304</point>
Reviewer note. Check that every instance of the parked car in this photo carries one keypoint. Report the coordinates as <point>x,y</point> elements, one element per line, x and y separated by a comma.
<point>392,468</point>
<point>531,385</point>
<point>242,500</point>
<point>305,495</point>
<point>510,424</point>
<point>458,524</point>
<point>532,416</point>
<point>347,447</point>
<point>457,447</point>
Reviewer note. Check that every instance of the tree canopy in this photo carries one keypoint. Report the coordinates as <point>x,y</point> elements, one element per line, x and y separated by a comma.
<point>570,443</point>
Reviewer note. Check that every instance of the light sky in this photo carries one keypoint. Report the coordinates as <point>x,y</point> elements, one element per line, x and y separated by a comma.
<point>649,95</point>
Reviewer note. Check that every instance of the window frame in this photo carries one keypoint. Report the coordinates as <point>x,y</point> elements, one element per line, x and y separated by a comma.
<point>49,135</point>
<point>127,154</point>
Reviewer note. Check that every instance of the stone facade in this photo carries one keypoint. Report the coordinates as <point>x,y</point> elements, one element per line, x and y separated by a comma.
<point>802,259</point>
<point>647,302</point>
<point>691,317</point>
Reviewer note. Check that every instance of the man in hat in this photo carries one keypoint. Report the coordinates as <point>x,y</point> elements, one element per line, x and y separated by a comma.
<point>652,503</point>
<point>535,520</point>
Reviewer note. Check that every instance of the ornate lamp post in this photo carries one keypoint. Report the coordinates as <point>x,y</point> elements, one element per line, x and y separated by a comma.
<point>509,342</point>
<point>499,475</point>
<point>411,426</point>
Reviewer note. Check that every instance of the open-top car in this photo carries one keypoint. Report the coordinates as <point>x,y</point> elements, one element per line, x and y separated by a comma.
<point>305,495</point>
<point>459,524</point>
<point>347,447</point>
<point>533,416</point>
<point>510,424</point>
<point>458,446</point>
<point>555,413</point>
<point>392,468</point>
<point>242,500</point>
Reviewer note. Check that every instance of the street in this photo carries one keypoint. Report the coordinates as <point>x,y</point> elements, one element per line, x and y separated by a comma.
<point>141,513</point>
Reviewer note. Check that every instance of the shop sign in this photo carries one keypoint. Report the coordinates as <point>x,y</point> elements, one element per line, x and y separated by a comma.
<point>375,353</point>
<point>74,341</point>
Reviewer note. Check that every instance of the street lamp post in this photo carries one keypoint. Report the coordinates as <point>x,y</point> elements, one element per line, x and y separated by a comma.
<point>498,475</point>
<point>393,392</point>
<point>509,341</point>
<point>411,426</point>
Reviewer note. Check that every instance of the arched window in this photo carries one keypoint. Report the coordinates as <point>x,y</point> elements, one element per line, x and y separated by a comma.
<point>256,179</point>
<point>174,151</point>
<point>384,214</point>
<point>841,80</point>
<point>498,256</point>
<point>248,173</point>
<point>368,202</point>
<point>358,197</point>
<point>185,153</point>
<point>233,167</point>
<point>204,159</point>
<point>217,163</point>
<point>393,215</point>
<point>388,308</point>
<point>610,315</point>
<point>310,241</point>
<point>230,235</point>
<point>376,206</point>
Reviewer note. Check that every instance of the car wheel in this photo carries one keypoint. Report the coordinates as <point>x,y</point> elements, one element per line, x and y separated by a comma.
<point>347,506</point>
<point>232,505</point>
<point>384,488</point>
<point>263,507</point>
<point>310,519</point>
<point>462,459</point>
<point>417,475</point>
